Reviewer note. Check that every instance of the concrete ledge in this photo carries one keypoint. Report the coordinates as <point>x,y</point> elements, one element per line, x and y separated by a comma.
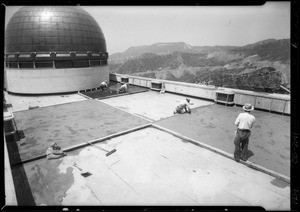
<point>267,171</point>
<point>226,154</point>
<point>10,192</point>
<point>84,95</point>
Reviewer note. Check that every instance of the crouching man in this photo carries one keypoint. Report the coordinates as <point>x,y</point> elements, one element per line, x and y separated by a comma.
<point>183,107</point>
<point>55,152</point>
<point>123,88</point>
<point>104,86</point>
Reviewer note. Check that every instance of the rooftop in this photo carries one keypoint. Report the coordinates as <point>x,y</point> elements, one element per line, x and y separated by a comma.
<point>161,158</point>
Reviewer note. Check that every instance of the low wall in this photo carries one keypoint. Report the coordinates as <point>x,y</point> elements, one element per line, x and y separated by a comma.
<point>270,102</point>
<point>10,192</point>
<point>200,91</point>
<point>49,80</point>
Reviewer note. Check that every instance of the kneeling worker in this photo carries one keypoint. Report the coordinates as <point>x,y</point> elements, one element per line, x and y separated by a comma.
<point>123,88</point>
<point>104,86</point>
<point>55,152</point>
<point>183,107</point>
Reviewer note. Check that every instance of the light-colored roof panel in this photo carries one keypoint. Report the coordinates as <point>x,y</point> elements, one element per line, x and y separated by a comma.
<point>151,167</point>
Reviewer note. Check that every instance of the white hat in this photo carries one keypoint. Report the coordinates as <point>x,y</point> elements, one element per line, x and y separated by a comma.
<point>248,107</point>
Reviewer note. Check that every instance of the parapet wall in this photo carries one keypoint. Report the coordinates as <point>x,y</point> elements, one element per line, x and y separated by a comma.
<point>278,103</point>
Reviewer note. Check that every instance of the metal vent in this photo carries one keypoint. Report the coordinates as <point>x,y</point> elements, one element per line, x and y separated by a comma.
<point>226,97</point>
<point>124,79</point>
<point>156,85</point>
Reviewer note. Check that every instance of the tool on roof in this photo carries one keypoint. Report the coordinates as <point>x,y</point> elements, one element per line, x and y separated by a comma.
<point>97,147</point>
<point>83,173</point>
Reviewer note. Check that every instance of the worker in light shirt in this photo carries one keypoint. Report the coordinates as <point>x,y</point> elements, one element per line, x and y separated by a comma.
<point>55,152</point>
<point>123,88</point>
<point>244,123</point>
<point>183,107</point>
<point>104,86</point>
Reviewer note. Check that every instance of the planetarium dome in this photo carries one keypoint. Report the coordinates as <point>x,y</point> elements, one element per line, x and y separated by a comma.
<point>40,38</point>
<point>46,29</point>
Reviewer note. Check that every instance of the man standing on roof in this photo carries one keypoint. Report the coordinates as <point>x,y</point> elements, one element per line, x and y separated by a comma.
<point>183,107</point>
<point>123,88</point>
<point>104,86</point>
<point>163,88</point>
<point>244,123</point>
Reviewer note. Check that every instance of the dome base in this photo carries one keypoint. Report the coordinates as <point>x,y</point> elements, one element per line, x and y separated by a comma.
<point>53,81</point>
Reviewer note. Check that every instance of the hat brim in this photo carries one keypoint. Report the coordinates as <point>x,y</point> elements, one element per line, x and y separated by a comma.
<point>252,108</point>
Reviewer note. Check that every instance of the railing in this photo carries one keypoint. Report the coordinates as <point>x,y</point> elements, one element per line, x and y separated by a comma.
<point>55,59</point>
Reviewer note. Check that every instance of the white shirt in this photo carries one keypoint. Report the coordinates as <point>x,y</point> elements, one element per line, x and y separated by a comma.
<point>182,104</point>
<point>50,151</point>
<point>244,121</point>
<point>124,86</point>
<point>103,83</point>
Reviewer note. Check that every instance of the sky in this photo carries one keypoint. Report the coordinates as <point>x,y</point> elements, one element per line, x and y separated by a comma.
<point>128,26</point>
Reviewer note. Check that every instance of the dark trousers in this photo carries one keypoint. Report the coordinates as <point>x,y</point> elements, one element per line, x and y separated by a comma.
<point>122,90</point>
<point>182,110</point>
<point>241,142</point>
<point>103,87</point>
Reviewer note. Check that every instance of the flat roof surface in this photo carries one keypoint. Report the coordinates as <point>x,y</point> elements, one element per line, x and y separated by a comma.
<point>269,143</point>
<point>151,105</point>
<point>213,124</point>
<point>68,125</point>
<point>21,102</point>
<point>150,166</point>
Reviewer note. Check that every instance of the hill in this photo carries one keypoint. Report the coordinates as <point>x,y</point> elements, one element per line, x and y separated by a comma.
<point>158,48</point>
<point>261,66</point>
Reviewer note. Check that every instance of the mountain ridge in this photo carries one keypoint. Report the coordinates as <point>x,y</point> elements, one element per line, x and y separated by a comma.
<point>179,46</point>
<point>225,65</point>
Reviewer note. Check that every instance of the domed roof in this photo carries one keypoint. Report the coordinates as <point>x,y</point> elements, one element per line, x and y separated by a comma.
<point>53,28</point>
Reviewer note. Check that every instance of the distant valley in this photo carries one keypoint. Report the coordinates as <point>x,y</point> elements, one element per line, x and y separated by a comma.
<point>261,66</point>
